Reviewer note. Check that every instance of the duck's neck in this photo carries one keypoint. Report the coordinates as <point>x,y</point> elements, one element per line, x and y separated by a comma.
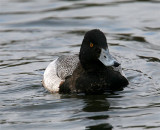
<point>92,66</point>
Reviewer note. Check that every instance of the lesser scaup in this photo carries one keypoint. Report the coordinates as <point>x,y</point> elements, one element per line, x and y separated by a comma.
<point>93,71</point>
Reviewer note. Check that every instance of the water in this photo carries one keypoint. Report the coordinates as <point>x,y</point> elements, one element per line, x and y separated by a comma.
<point>35,32</point>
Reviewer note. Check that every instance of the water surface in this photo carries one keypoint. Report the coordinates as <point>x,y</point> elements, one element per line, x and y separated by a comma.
<point>35,32</point>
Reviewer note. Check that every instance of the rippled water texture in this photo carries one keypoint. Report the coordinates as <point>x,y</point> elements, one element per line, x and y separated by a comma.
<point>35,32</point>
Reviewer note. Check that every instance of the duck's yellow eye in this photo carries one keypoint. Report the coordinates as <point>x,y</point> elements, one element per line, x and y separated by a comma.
<point>91,44</point>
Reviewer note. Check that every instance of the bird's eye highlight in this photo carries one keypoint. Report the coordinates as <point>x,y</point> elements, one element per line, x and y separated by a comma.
<point>91,44</point>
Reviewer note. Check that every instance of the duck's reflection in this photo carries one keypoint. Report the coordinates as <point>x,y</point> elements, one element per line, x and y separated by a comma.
<point>93,111</point>
<point>105,126</point>
<point>98,106</point>
<point>96,103</point>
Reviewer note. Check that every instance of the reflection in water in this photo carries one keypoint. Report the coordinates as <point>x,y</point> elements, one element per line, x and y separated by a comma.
<point>90,110</point>
<point>96,104</point>
<point>100,127</point>
<point>35,32</point>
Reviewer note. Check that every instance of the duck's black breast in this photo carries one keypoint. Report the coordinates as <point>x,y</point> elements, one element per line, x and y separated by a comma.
<point>93,82</point>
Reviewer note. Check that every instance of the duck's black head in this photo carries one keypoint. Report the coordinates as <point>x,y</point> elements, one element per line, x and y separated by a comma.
<point>94,51</point>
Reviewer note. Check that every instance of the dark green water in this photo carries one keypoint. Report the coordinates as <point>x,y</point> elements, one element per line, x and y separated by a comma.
<point>35,32</point>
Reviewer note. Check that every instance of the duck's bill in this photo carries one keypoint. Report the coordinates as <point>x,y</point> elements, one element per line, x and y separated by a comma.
<point>107,59</point>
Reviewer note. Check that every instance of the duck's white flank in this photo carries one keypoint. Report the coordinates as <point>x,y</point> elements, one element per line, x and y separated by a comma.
<point>58,70</point>
<point>51,81</point>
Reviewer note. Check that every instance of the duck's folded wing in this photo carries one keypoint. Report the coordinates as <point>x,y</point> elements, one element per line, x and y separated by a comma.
<point>66,65</point>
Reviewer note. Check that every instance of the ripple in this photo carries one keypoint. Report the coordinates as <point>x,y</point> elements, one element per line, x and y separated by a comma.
<point>130,37</point>
<point>150,59</point>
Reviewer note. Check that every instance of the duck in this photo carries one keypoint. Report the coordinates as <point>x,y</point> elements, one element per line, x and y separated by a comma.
<point>93,71</point>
